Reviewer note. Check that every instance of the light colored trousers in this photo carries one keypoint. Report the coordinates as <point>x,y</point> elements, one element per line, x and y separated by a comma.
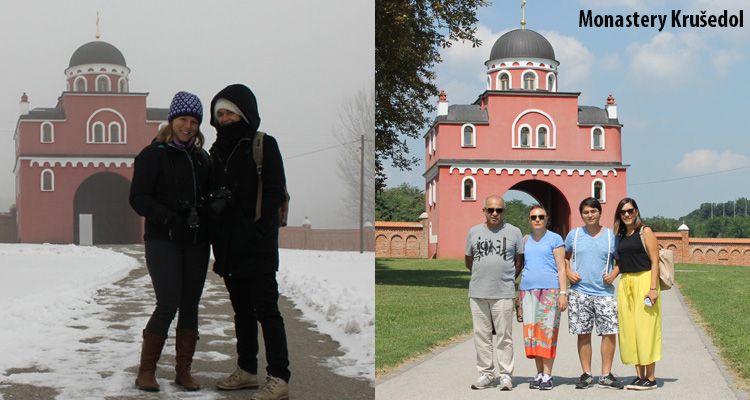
<point>485,313</point>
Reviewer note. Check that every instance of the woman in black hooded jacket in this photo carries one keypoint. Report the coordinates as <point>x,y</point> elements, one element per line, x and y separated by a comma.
<point>246,246</point>
<point>169,187</point>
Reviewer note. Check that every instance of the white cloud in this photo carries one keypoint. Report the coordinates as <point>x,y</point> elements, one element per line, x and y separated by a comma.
<point>575,59</point>
<point>705,160</point>
<point>724,60</point>
<point>667,58</point>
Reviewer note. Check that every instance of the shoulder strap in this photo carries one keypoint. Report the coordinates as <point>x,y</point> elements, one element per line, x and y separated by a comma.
<point>575,257</point>
<point>643,241</point>
<point>258,159</point>
<point>609,249</point>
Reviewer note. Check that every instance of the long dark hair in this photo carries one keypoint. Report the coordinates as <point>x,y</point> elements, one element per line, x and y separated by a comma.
<point>619,226</point>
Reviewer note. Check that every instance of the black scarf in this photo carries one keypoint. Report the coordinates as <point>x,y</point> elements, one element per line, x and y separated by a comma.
<point>227,137</point>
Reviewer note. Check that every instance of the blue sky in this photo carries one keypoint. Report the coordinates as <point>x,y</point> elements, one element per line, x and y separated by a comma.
<point>682,93</point>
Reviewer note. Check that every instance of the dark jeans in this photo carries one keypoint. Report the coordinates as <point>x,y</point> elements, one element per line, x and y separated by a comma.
<point>254,300</point>
<point>178,273</point>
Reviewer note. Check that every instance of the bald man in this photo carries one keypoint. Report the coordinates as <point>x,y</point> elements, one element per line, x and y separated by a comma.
<point>494,255</point>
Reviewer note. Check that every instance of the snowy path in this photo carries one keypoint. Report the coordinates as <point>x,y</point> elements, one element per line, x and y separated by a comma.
<point>95,355</point>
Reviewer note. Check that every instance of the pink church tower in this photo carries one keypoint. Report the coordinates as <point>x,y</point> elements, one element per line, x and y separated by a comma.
<point>523,134</point>
<point>74,160</point>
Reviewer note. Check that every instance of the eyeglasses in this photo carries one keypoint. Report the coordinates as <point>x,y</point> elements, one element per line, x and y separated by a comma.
<point>628,211</point>
<point>537,217</point>
<point>494,210</point>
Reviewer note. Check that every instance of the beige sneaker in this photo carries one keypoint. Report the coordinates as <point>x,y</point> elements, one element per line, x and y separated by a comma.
<point>273,389</point>
<point>240,379</point>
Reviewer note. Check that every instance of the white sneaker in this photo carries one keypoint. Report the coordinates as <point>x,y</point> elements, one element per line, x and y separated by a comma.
<point>506,383</point>
<point>239,379</point>
<point>484,381</point>
<point>273,389</point>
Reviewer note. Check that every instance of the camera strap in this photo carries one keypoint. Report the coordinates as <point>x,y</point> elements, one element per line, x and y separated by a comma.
<point>258,159</point>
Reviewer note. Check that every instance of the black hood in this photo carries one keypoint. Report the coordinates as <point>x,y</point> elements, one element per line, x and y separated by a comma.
<point>244,99</point>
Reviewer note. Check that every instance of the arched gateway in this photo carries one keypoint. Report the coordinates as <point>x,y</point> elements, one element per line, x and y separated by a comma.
<point>101,208</point>
<point>520,134</point>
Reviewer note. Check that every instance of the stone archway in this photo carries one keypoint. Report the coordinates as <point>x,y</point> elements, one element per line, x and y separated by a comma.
<point>552,199</point>
<point>105,196</point>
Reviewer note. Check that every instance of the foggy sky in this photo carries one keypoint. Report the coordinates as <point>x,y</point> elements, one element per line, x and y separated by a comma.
<point>303,60</point>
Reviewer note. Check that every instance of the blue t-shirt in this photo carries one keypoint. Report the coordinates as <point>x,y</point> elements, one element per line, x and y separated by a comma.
<point>589,259</point>
<point>539,267</point>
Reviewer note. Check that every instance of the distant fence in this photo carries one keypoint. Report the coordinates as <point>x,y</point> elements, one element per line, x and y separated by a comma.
<point>409,240</point>
<point>297,237</point>
<point>724,251</point>
<point>400,239</point>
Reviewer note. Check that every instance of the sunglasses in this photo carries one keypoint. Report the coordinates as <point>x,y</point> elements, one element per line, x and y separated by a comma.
<point>537,217</point>
<point>628,211</point>
<point>494,210</point>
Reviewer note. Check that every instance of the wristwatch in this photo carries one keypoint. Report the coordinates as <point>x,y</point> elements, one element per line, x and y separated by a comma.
<point>565,292</point>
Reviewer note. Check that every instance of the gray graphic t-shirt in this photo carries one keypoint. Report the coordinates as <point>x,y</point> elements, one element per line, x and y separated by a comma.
<point>494,252</point>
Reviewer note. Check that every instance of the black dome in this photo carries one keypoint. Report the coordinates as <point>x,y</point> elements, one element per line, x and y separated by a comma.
<point>522,43</point>
<point>97,52</point>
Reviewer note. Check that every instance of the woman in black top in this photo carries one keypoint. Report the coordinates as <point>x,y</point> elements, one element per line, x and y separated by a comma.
<point>639,307</point>
<point>170,184</point>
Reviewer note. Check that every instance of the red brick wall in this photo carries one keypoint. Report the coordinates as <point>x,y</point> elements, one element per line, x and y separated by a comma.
<point>297,237</point>
<point>400,240</point>
<point>724,251</point>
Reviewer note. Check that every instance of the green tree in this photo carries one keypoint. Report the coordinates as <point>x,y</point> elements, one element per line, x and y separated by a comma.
<point>403,203</point>
<point>408,37</point>
<point>517,214</point>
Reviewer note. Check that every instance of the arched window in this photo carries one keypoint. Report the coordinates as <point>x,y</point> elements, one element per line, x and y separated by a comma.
<point>529,80</point>
<point>102,83</point>
<point>79,85</point>
<point>47,132</point>
<point>434,140</point>
<point>98,136</point>
<point>434,192</point>
<point>542,137</point>
<point>599,190</point>
<point>551,82</point>
<point>468,137</point>
<point>469,187</point>
<point>504,81</point>
<point>114,133</point>
<point>47,180</point>
<point>597,138</point>
<point>524,137</point>
<point>122,85</point>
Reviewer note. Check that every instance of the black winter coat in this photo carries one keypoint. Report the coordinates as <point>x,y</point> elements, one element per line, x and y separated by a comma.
<point>167,183</point>
<point>243,247</point>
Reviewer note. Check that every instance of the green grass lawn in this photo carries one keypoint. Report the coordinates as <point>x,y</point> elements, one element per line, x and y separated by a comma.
<point>419,304</point>
<point>721,295</point>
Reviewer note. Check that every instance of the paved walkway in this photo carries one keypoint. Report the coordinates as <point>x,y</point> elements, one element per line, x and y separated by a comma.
<point>689,368</point>
<point>128,306</point>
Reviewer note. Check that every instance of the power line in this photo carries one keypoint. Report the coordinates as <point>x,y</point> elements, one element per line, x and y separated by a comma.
<point>322,149</point>
<point>690,177</point>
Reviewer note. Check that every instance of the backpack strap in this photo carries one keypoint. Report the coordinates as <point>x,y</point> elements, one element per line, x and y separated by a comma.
<point>575,257</point>
<point>258,158</point>
<point>609,249</point>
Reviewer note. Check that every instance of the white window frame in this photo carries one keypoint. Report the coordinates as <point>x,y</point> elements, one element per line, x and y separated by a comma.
<point>434,192</point>
<point>593,129</point>
<point>547,138</point>
<point>109,132</point>
<point>473,135</point>
<point>530,138</point>
<point>516,129</point>
<point>604,189</point>
<point>85,84</point>
<point>122,85</point>
<point>489,83</point>
<point>51,174</point>
<point>510,80</point>
<point>123,127</point>
<point>554,82</point>
<point>109,84</point>
<point>473,189</point>
<point>51,130</point>
<point>93,132</point>
<point>434,140</point>
<point>536,79</point>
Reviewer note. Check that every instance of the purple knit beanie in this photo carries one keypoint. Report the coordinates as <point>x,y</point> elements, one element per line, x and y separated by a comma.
<point>185,103</point>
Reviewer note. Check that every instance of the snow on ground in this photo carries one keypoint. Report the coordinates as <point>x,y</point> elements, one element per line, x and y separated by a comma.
<point>61,315</point>
<point>336,291</point>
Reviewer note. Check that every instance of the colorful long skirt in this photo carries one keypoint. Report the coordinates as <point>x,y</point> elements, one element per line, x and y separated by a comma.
<point>541,322</point>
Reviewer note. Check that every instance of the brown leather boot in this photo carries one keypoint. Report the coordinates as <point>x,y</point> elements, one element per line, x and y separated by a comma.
<point>185,346</point>
<point>150,353</point>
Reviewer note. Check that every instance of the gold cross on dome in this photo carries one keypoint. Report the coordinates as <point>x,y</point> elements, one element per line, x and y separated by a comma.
<point>523,14</point>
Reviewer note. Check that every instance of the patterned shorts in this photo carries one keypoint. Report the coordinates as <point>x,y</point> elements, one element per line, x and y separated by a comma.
<point>585,309</point>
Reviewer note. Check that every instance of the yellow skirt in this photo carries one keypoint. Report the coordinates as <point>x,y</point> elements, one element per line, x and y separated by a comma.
<point>640,326</point>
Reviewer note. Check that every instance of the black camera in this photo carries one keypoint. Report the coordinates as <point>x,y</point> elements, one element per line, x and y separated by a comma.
<point>220,199</point>
<point>193,221</point>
